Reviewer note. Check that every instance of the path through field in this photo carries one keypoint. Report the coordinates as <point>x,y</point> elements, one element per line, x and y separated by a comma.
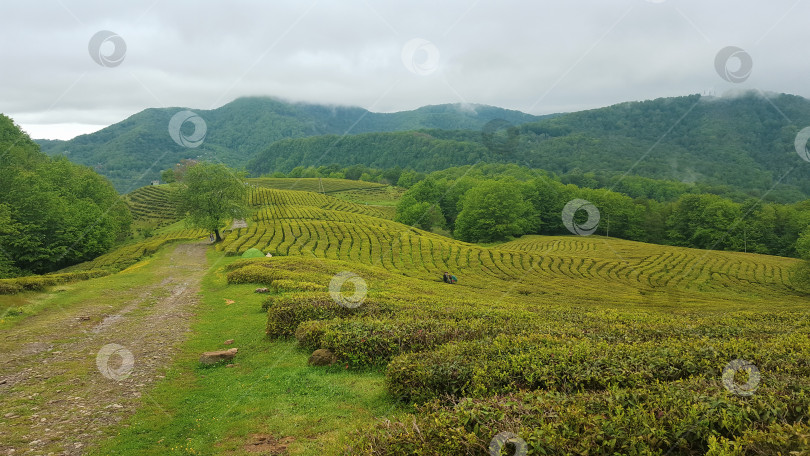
<point>53,395</point>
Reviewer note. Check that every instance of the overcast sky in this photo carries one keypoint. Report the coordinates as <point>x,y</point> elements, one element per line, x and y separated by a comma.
<point>534,56</point>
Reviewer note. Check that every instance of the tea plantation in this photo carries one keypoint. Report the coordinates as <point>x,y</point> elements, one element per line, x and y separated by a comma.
<point>546,345</point>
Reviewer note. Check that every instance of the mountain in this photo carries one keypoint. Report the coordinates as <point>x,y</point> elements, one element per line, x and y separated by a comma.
<point>132,152</point>
<point>742,143</point>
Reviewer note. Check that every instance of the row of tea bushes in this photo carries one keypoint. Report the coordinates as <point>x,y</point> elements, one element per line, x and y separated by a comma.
<point>687,417</point>
<point>507,364</point>
<point>40,282</point>
<point>374,341</point>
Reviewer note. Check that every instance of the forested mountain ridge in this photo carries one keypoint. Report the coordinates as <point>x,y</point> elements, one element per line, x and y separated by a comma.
<point>744,143</point>
<point>132,152</point>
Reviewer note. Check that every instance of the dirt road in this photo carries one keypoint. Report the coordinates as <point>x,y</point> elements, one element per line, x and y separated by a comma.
<point>67,374</point>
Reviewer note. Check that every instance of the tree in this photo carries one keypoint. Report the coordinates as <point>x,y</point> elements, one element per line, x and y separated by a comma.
<point>803,245</point>
<point>421,214</point>
<point>407,178</point>
<point>210,195</point>
<point>618,213</point>
<point>167,176</point>
<point>801,272</point>
<point>354,172</point>
<point>391,175</point>
<point>179,170</point>
<point>492,211</point>
<point>705,222</point>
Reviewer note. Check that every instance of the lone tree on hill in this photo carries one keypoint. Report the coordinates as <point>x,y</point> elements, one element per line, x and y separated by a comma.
<point>211,194</point>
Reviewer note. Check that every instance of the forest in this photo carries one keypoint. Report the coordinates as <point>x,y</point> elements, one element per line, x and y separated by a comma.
<point>53,213</point>
<point>742,145</point>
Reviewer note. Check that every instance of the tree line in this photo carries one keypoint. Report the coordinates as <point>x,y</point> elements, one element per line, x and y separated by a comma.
<point>496,203</point>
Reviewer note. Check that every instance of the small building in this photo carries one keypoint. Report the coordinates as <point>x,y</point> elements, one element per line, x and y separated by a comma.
<point>156,182</point>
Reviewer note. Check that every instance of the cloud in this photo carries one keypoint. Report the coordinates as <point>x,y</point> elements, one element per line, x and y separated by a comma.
<point>541,57</point>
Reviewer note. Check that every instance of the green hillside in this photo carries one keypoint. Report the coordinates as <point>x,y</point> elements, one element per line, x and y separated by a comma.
<point>576,345</point>
<point>53,213</point>
<point>743,144</point>
<point>134,151</point>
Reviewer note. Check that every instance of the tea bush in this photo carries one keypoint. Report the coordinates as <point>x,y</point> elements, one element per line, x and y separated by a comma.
<point>374,341</point>
<point>683,417</point>
<point>256,273</point>
<point>280,285</point>
<point>285,313</point>
<point>40,282</point>
<point>508,364</point>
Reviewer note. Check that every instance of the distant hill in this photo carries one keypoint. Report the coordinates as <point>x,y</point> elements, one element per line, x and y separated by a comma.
<point>132,152</point>
<point>743,144</point>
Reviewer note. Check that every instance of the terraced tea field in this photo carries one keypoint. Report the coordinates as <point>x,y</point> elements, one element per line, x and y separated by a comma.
<point>314,225</point>
<point>571,345</point>
<point>313,184</point>
<point>262,197</point>
<point>381,197</point>
<point>151,203</point>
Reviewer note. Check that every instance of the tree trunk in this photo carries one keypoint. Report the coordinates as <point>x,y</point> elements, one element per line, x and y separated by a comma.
<point>219,238</point>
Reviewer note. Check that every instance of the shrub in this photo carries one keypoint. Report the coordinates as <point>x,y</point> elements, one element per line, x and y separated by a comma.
<point>255,273</point>
<point>310,333</point>
<point>683,417</point>
<point>285,313</point>
<point>508,364</point>
<point>373,341</point>
<point>9,286</point>
<point>248,262</point>
<point>40,282</point>
<point>294,285</point>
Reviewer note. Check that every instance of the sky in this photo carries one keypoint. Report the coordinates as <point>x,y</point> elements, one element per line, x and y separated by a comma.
<point>74,67</point>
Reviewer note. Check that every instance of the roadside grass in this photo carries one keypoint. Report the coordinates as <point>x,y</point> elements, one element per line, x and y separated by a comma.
<point>270,398</point>
<point>76,298</point>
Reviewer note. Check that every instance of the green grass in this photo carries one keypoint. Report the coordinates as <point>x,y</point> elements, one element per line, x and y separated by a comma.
<point>271,390</point>
<point>14,308</point>
<point>63,301</point>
